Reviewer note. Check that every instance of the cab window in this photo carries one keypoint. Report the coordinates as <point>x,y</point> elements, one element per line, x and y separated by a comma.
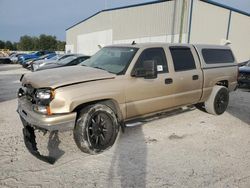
<point>182,58</point>
<point>155,54</point>
<point>214,56</point>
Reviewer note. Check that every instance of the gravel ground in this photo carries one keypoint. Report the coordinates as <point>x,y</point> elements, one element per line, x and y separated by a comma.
<point>187,148</point>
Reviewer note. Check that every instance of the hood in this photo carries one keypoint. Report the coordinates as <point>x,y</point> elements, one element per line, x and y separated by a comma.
<point>244,69</point>
<point>49,66</point>
<point>54,78</point>
<point>38,62</point>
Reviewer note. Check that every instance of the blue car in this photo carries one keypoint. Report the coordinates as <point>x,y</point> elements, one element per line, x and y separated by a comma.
<point>28,62</point>
<point>244,74</point>
<point>34,55</point>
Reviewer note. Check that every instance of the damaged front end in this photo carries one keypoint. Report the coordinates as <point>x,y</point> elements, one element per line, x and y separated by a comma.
<point>29,130</point>
<point>35,114</point>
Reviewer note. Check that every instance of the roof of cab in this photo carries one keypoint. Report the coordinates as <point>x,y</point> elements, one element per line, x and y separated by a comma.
<point>162,44</point>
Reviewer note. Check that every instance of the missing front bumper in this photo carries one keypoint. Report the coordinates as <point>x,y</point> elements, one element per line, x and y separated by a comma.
<point>30,143</point>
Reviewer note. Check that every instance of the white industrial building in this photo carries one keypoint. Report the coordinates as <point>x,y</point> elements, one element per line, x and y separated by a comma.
<point>172,21</point>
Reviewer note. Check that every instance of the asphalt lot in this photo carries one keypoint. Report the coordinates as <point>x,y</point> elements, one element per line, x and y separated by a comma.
<point>186,148</point>
<point>9,81</point>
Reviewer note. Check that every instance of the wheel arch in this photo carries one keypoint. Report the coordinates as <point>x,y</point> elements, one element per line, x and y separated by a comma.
<point>222,83</point>
<point>210,102</point>
<point>111,103</point>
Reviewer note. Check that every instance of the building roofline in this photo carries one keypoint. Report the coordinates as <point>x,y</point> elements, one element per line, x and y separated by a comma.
<point>226,7</point>
<point>161,1</point>
<point>85,19</point>
<point>123,7</point>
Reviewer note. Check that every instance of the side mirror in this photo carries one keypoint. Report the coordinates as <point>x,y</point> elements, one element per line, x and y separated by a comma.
<point>149,70</point>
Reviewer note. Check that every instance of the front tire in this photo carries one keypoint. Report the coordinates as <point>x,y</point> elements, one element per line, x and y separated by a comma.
<point>218,100</point>
<point>96,129</point>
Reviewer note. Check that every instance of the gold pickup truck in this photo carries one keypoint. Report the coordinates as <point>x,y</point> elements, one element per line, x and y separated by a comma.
<point>121,83</point>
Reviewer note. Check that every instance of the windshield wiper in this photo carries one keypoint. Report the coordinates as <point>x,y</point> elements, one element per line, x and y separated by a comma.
<point>100,68</point>
<point>103,69</point>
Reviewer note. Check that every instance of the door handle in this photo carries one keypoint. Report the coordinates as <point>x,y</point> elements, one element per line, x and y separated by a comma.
<point>195,77</point>
<point>168,81</point>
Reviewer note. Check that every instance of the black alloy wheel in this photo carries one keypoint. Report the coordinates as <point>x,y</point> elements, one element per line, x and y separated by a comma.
<point>221,101</point>
<point>99,132</point>
<point>96,129</point>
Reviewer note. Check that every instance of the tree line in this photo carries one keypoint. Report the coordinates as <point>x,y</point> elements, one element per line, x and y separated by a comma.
<point>28,43</point>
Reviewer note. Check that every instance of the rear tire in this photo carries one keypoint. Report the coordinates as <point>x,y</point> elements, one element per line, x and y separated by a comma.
<point>96,129</point>
<point>218,100</point>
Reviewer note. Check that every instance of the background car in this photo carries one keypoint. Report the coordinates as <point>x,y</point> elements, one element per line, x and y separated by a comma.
<point>242,63</point>
<point>5,60</point>
<point>27,63</point>
<point>244,74</point>
<point>38,64</point>
<point>34,55</point>
<point>69,61</point>
<point>14,57</point>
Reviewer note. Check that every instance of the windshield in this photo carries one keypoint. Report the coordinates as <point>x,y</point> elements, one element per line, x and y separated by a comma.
<point>44,56</point>
<point>112,59</point>
<point>248,64</point>
<point>54,57</point>
<point>65,56</point>
<point>66,60</point>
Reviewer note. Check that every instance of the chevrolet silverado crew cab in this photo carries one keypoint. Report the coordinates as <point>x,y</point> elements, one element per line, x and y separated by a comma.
<point>121,83</point>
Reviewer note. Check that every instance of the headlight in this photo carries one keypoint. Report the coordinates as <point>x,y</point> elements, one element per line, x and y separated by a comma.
<point>43,97</point>
<point>44,94</point>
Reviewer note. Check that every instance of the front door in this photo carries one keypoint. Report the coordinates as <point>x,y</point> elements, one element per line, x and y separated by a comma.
<point>145,96</point>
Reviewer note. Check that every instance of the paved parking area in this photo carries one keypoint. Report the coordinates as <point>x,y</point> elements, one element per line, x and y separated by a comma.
<point>186,148</point>
<point>9,81</point>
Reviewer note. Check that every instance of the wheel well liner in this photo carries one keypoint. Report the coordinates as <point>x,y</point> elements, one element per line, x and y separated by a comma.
<point>223,83</point>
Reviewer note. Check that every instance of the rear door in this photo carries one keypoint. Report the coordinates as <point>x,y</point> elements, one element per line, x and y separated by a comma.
<point>187,76</point>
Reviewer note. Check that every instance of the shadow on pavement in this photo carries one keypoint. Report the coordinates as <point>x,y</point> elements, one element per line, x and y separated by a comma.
<point>53,146</point>
<point>129,161</point>
<point>244,88</point>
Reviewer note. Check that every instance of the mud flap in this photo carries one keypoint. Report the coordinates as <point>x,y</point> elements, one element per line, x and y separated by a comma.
<point>30,143</point>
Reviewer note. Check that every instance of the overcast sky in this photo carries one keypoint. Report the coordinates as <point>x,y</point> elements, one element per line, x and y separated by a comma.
<point>35,17</point>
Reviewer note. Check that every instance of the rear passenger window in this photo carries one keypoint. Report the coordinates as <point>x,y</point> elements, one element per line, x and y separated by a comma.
<point>155,54</point>
<point>182,58</point>
<point>213,56</point>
